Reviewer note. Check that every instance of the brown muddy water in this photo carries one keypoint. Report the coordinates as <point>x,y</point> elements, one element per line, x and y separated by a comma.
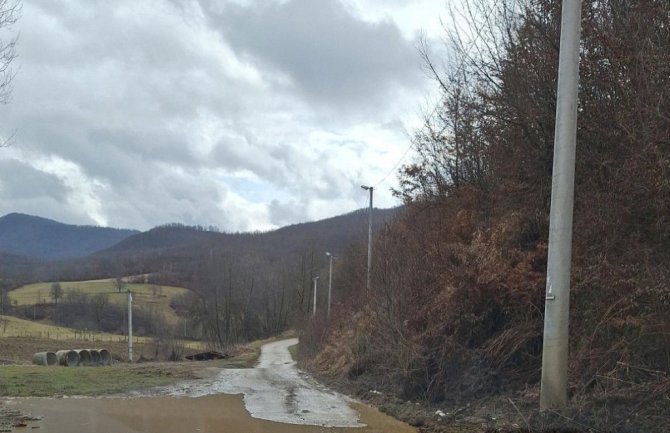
<point>210,414</point>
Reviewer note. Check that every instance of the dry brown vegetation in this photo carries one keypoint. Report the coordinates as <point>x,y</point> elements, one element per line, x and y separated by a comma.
<point>20,350</point>
<point>457,303</point>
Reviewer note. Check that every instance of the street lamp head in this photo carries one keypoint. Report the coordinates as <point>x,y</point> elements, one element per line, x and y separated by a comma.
<point>328,254</point>
<point>366,187</point>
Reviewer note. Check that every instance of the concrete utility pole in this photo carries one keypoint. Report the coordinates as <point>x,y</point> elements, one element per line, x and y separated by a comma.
<point>557,304</point>
<point>314,309</point>
<point>130,326</point>
<point>330,279</point>
<point>371,189</point>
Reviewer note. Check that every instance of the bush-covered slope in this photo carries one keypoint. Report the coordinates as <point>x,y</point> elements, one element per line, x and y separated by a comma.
<point>457,301</point>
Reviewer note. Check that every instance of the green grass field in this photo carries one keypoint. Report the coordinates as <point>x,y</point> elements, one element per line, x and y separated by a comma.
<point>31,380</point>
<point>147,296</point>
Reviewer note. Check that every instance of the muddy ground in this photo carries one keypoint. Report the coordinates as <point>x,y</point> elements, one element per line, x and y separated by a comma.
<point>198,406</point>
<point>516,412</point>
<point>11,418</point>
<point>214,413</point>
<point>14,418</point>
<point>19,377</point>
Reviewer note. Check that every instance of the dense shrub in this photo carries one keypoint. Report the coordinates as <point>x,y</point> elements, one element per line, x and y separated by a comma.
<point>457,303</point>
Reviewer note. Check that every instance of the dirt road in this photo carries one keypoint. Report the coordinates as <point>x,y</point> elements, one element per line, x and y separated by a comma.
<point>274,397</point>
<point>277,391</point>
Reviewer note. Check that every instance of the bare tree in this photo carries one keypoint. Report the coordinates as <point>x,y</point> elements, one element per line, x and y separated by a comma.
<point>56,292</point>
<point>119,284</point>
<point>99,304</point>
<point>9,14</point>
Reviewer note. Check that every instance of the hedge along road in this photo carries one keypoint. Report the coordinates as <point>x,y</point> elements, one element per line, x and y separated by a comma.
<point>274,397</point>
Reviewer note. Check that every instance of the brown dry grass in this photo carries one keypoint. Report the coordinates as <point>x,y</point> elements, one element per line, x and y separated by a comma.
<point>21,349</point>
<point>12,327</point>
<point>144,296</point>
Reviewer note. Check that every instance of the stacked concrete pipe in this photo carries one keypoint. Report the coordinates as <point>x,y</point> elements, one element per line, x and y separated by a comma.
<point>95,356</point>
<point>68,358</point>
<point>105,357</point>
<point>85,357</point>
<point>45,358</point>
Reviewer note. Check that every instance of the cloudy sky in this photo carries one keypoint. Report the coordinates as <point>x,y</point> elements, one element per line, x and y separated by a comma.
<point>244,114</point>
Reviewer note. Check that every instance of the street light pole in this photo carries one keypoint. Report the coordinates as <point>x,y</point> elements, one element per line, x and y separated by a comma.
<point>330,279</point>
<point>371,189</point>
<point>314,309</point>
<point>130,326</point>
<point>553,387</point>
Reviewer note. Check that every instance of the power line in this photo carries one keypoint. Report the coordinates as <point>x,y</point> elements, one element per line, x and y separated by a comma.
<point>395,166</point>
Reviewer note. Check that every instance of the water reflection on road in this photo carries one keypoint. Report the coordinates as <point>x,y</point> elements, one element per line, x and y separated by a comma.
<point>277,391</point>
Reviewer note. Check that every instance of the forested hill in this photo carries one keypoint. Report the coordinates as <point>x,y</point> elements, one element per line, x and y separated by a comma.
<point>332,233</point>
<point>242,286</point>
<point>172,251</point>
<point>19,268</point>
<point>162,238</point>
<point>45,239</point>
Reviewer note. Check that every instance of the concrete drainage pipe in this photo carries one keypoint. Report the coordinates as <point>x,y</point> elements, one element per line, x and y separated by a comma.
<point>85,357</point>
<point>45,358</point>
<point>105,357</point>
<point>68,358</point>
<point>95,356</point>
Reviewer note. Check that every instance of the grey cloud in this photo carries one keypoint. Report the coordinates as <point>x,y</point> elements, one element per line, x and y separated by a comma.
<point>87,32</point>
<point>96,158</point>
<point>331,55</point>
<point>161,196</point>
<point>284,213</point>
<point>47,207</point>
<point>28,190</point>
<point>148,143</point>
<point>286,165</point>
<point>113,92</point>
<point>99,58</point>
<point>20,181</point>
<point>237,155</point>
<point>121,89</point>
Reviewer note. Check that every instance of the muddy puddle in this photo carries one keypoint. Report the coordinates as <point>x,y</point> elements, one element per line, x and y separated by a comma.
<point>208,414</point>
<point>273,397</point>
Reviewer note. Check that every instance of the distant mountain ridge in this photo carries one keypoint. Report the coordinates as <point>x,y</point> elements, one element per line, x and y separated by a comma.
<point>334,233</point>
<point>161,237</point>
<point>39,249</point>
<point>45,239</point>
<point>174,253</point>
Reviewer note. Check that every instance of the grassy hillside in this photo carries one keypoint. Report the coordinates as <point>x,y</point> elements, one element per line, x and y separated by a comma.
<point>19,339</point>
<point>146,296</point>
<point>12,327</point>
